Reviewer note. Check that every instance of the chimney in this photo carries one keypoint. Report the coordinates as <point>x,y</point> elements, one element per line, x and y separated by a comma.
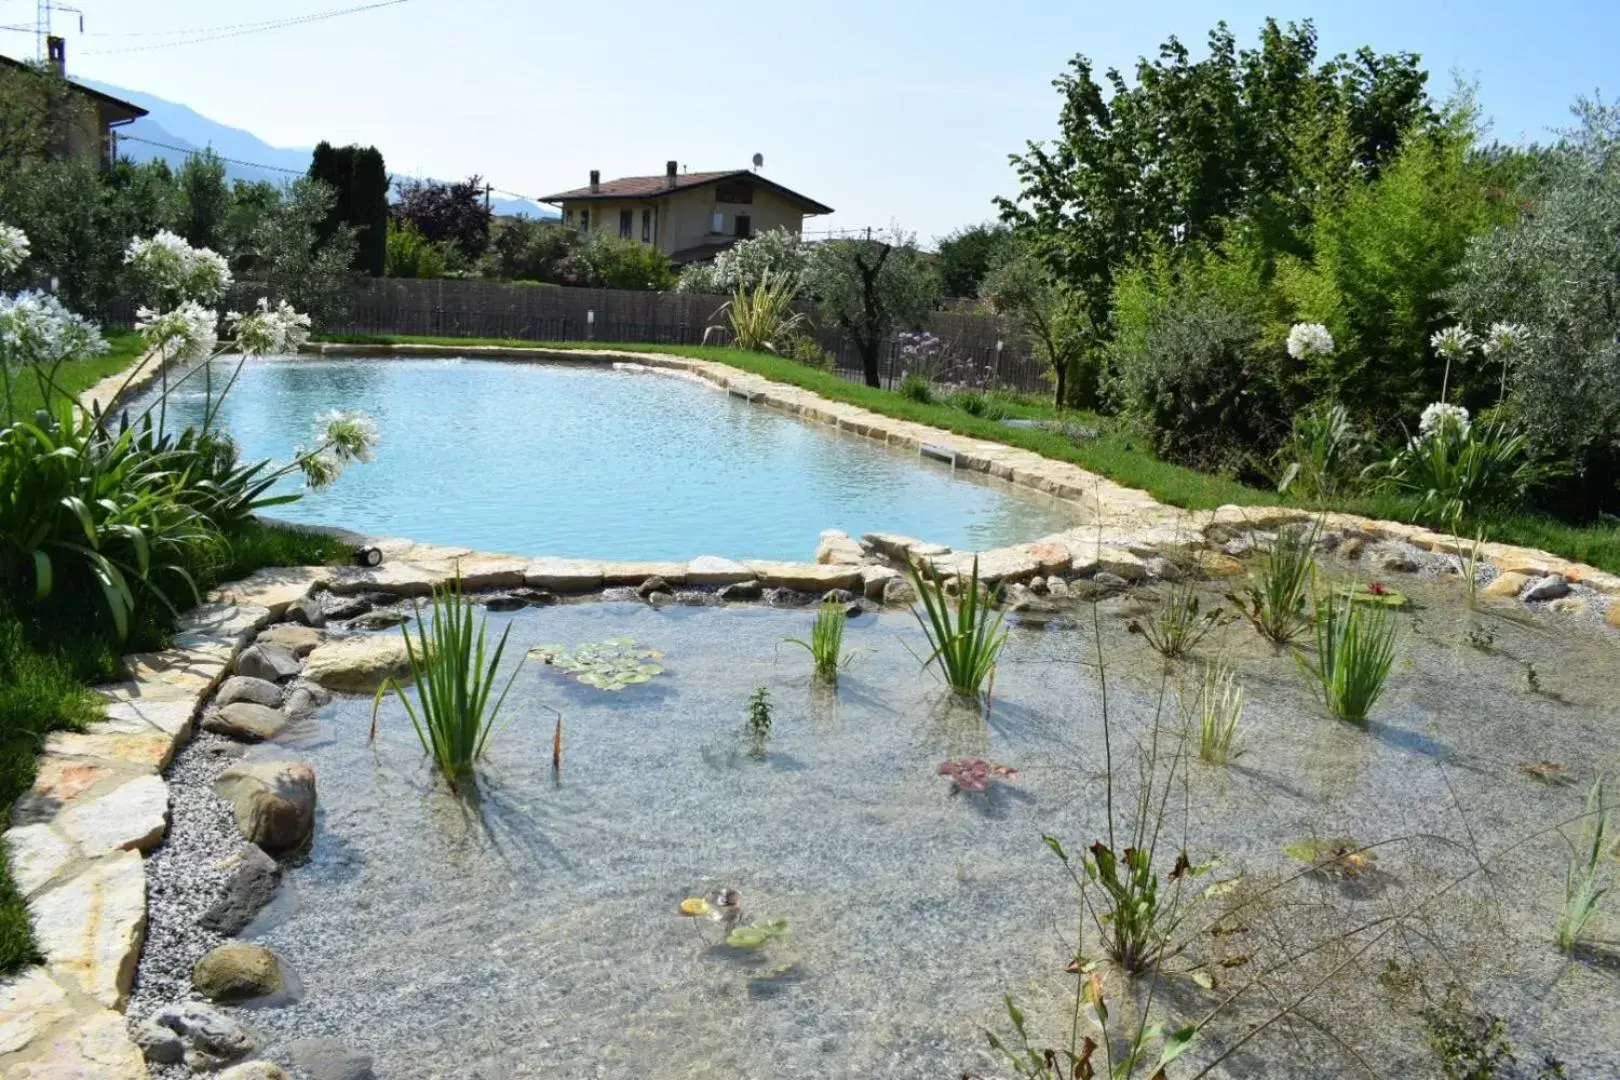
<point>669,175</point>
<point>596,179</point>
<point>56,54</point>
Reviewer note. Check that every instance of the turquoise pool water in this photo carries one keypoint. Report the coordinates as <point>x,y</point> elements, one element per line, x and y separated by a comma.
<point>576,460</point>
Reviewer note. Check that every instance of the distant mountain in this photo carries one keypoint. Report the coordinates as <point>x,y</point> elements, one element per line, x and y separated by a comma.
<point>182,130</point>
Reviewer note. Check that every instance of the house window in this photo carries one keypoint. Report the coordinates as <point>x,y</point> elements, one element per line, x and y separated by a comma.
<point>646,226</point>
<point>745,226</point>
<point>736,191</point>
<point>584,219</point>
<point>718,225</point>
<point>626,222</point>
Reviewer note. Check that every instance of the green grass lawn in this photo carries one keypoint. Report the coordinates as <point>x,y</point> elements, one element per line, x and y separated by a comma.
<point>75,378</point>
<point>1114,453</point>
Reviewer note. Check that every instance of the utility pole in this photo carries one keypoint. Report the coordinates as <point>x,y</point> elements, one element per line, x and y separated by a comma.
<point>486,196</point>
<point>42,24</point>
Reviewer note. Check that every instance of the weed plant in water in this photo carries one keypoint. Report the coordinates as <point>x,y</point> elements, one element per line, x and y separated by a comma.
<point>759,721</point>
<point>1220,709</point>
<point>1180,623</point>
<point>1274,600</point>
<point>1585,882</point>
<point>964,642</point>
<point>1355,650</point>
<point>826,644</point>
<point>454,674</point>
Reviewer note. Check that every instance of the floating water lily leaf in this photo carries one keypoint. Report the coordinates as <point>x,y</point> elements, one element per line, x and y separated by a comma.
<point>694,906</point>
<point>1203,978</point>
<point>606,665</point>
<point>1340,857</point>
<point>754,935</point>
<point>1378,594</point>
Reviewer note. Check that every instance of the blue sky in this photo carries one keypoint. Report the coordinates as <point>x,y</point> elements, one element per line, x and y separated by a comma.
<point>892,111</point>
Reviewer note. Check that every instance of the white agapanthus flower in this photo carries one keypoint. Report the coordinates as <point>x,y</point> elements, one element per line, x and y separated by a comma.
<point>1440,416</point>
<point>173,269</point>
<point>1504,339</point>
<point>1453,342</point>
<point>269,331</point>
<point>13,248</point>
<point>36,329</point>
<point>1309,339</point>
<point>343,437</point>
<point>186,334</point>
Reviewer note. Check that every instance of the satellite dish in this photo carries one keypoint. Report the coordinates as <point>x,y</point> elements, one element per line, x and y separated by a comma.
<point>759,161</point>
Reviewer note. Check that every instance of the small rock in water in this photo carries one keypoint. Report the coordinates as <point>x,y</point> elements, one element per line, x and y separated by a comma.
<point>379,620</point>
<point>1550,587</point>
<point>209,1037</point>
<point>272,663</point>
<point>741,590</point>
<point>1039,587</point>
<point>250,888</point>
<point>505,602</point>
<point>296,639</point>
<point>536,597</point>
<point>246,688</point>
<point>837,596</point>
<point>654,584</point>
<point>159,1044</point>
<point>784,597</point>
<point>237,973</point>
<point>1394,561</point>
<point>899,592</point>
<point>695,598</point>
<point>343,608</point>
<point>618,594</point>
<point>245,721</point>
<point>1162,569</point>
<point>1352,547</point>
<point>309,610</point>
<point>1111,582</point>
<point>329,1059</point>
<point>273,802</point>
<point>660,599</point>
<point>305,698</point>
<point>255,1070</point>
<point>1057,588</point>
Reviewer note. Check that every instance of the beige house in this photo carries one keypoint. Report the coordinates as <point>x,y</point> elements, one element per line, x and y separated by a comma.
<point>689,216</point>
<point>91,118</point>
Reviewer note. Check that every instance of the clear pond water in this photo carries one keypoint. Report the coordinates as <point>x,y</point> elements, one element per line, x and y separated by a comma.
<point>532,931</point>
<point>588,461</point>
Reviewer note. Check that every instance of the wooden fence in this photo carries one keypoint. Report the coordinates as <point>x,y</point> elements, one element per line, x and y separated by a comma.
<point>980,350</point>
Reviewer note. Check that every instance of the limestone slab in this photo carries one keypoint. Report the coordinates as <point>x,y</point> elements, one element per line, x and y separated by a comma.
<point>38,853</point>
<point>810,577</point>
<point>95,1048</point>
<point>358,665</point>
<point>30,1005</point>
<point>836,546</point>
<point>713,570</point>
<point>296,639</point>
<point>172,718</point>
<point>131,817</point>
<point>91,926</point>
<point>563,575</point>
<point>138,751</point>
<point>634,573</point>
<point>274,588</point>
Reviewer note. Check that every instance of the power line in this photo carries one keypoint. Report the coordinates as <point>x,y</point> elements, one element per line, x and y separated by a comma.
<point>189,152</point>
<point>255,28</point>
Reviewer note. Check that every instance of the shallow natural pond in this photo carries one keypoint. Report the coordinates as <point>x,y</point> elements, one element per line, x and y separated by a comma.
<point>589,461</point>
<point>532,931</point>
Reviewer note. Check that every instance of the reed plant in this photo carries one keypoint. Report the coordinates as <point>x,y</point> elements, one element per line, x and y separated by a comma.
<point>1275,598</point>
<point>1180,622</point>
<point>1355,650</point>
<point>1584,881</point>
<point>966,637</point>
<point>826,644</point>
<point>454,673</point>
<point>1220,709</point>
<point>762,317</point>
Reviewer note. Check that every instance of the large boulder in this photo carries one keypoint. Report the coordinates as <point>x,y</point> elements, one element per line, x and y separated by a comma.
<point>272,663</point>
<point>837,547</point>
<point>237,972</point>
<point>251,886</point>
<point>296,639</point>
<point>358,665</point>
<point>245,688</point>
<point>273,802</point>
<point>246,722</point>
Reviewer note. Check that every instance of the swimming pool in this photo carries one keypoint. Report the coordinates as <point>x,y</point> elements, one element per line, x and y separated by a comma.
<point>596,461</point>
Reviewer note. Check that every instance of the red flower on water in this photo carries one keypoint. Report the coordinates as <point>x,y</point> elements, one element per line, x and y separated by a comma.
<point>1377,588</point>
<point>975,774</point>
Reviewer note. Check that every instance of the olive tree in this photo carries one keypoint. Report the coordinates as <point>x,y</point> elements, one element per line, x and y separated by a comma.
<point>869,288</point>
<point>1048,311</point>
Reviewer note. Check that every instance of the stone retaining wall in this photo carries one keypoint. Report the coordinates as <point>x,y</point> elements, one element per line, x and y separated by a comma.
<point>100,800</point>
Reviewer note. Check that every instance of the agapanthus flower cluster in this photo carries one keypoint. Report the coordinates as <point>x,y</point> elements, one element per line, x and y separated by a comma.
<point>1504,339</point>
<point>13,248</point>
<point>1309,339</point>
<point>1453,343</point>
<point>343,437</point>
<point>1441,417</point>
<point>173,270</point>
<point>36,329</point>
<point>269,331</point>
<point>186,334</point>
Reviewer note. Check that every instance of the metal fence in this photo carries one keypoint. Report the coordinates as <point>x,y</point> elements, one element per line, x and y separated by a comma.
<point>980,350</point>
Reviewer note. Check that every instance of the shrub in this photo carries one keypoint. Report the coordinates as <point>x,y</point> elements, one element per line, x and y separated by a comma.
<point>409,254</point>
<point>1455,467</point>
<point>808,351</point>
<point>615,262</point>
<point>914,386</point>
<point>527,249</point>
<point>778,253</point>
<point>1322,457</point>
<point>763,315</point>
<point>453,675</point>
<point>1355,650</point>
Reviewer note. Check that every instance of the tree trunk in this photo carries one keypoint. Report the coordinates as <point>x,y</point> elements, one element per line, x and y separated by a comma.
<point>1059,398</point>
<point>869,351</point>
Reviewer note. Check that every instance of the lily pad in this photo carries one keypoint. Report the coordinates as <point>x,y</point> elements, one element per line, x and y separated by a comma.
<point>606,665</point>
<point>694,906</point>
<point>1338,857</point>
<point>1378,595</point>
<point>754,935</point>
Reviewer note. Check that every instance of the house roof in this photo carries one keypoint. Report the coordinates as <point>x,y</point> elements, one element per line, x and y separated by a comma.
<point>135,111</point>
<point>652,187</point>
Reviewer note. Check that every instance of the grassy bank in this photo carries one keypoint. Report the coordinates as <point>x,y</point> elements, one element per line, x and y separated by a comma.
<point>51,653</point>
<point>1115,452</point>
<point>75,378</point>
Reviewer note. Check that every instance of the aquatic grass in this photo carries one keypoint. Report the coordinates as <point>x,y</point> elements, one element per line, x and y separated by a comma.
<point>966,641</point>
<point>1584,881</point>
<point>1180,622</point>
<point>1355,651</point>
<point>1274,600</point>
<point>454,674</point>
<point>1220,709</point>
<point>826,644</point>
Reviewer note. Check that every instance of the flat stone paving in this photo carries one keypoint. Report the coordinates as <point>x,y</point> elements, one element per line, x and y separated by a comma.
<point>99,801</point>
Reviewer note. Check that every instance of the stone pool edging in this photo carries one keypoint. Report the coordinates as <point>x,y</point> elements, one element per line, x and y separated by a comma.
<point>100,799</point>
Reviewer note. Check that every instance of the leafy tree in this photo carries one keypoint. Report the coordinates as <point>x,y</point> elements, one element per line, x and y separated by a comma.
<point>870,289</point>
<point>451,214</point>
<point>286,253</point>
<point>412,255</point>
<point>967,255</point>
<point>38,111</point>
<point>1194,144</point>
<point>1050,313</point>
<point>614,262</point>
<point>529,249</point>
<point>1555,271</point>
<point>205,201</point>
<point>359,177</point>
